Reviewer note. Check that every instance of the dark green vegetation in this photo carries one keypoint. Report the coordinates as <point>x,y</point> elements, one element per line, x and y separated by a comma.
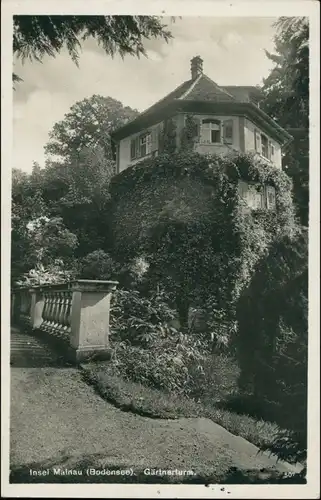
<point>37,36</point>
<point>286,99</point>
<point>147,228</point>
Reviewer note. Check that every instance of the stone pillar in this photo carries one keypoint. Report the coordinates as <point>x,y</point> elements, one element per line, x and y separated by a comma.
<point>90,311</point>
<point>36,308</point>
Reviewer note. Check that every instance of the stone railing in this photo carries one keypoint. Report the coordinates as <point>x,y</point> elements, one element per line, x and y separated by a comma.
<point>76,313</point>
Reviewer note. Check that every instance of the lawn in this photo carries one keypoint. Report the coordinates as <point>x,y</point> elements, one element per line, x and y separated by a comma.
<point>146,401</point>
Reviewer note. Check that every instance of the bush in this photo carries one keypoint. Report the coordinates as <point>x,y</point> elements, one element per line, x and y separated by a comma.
<point>97,265</point>
<point>148,349</point>
<point>140,319</point>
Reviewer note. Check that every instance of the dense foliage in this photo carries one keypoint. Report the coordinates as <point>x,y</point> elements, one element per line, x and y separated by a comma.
<point>37,36</point>
<point>147,349</point>
<point>70,196</point>
<point>286,99</point>
<point>88,125</point>
<point>202,252</point>
<point>272,337</point>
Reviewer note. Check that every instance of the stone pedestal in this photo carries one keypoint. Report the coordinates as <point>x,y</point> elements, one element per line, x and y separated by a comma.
<point>36,308</point>
<point>90,311</point>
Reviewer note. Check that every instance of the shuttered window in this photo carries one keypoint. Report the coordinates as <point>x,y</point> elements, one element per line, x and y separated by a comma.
<point>251,195</point>
<point>211,131</point>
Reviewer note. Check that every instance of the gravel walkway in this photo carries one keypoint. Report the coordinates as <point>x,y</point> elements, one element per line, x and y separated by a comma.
<point>58,420</point>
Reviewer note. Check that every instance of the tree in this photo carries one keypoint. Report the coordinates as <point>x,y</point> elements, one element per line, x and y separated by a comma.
<point>37,238</point>
<point>286,99</point>
<point>286,89</point>
<point>37,36</point>
<point>272,342</point>
<point>78,192</point>
<point>88,124</point>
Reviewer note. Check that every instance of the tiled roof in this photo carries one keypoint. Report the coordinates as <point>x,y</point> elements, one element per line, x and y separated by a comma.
<point>201,89</point>
<point>204,89</point>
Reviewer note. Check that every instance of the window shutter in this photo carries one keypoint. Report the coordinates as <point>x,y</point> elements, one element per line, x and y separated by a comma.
<point>137,147</point>
<point>271,151</point>
<point>148,143</point>
<point>133,149</point>
<point>257,140</point>
<point>228,131</point>
<point>154,139</point>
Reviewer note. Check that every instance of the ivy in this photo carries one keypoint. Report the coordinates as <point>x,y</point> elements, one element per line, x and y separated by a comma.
<point>184,211</point>
<point>188,134</point>
<point>168,135</point>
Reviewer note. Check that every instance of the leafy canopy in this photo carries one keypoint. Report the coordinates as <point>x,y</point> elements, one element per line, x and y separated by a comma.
<point>88,124</point>
<point>37,36</point>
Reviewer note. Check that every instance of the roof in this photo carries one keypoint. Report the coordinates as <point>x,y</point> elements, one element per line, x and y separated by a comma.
<point>200,90</point>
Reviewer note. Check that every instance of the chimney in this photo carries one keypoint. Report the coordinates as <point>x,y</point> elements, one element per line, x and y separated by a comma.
<point>196,67</point>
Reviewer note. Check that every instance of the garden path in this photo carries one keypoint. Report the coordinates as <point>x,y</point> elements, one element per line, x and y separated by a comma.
<point>57,420</point>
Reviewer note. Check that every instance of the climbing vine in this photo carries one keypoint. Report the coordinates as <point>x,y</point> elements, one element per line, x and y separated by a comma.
<point>168,135</point>
<point>189,133</point>
<point>204,243</point>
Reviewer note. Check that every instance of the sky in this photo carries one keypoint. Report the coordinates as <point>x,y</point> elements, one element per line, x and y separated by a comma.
<point>232,50</point>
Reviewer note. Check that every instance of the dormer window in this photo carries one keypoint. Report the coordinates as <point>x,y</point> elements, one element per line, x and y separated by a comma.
<point>211,131</point>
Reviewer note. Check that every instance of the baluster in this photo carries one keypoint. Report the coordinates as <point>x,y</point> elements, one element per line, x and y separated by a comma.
<point>61,310</point>
<point>68,315</point>
<point>64,311</point>
<point>50,310</point>
<point>55,310</point>
<point>45,311</point>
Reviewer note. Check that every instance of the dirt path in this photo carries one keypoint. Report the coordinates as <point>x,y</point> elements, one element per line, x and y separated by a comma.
<point>58,420</point>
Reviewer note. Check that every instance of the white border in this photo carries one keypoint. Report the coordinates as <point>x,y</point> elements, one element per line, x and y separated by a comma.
<point>273,8</point>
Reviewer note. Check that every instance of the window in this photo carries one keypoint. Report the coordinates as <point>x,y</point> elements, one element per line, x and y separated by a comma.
<point>145,144</point>
<point>263,145</point>
<point>141,146</point>
<point>270,197</point>
<point>251,195</point>
<point>254,198</point>
<point>211,131</point>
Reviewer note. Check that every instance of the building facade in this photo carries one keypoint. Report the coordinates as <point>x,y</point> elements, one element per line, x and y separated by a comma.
<point>226,119</point>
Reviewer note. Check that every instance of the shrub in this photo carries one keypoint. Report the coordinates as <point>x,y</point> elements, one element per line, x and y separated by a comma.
<point>140,319</point>
<point>97,265</point>
<point>147,349</point>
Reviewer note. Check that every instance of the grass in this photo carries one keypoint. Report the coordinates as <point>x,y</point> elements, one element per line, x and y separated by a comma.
<point>137,398</point>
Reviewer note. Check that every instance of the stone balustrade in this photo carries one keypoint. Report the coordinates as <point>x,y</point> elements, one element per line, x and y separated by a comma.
<point>76,313</point>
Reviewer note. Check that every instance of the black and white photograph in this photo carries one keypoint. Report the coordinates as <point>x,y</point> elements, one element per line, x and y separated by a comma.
<point>162,333</point>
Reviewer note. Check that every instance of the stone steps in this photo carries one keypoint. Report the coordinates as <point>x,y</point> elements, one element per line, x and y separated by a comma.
<point>28,351</point>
